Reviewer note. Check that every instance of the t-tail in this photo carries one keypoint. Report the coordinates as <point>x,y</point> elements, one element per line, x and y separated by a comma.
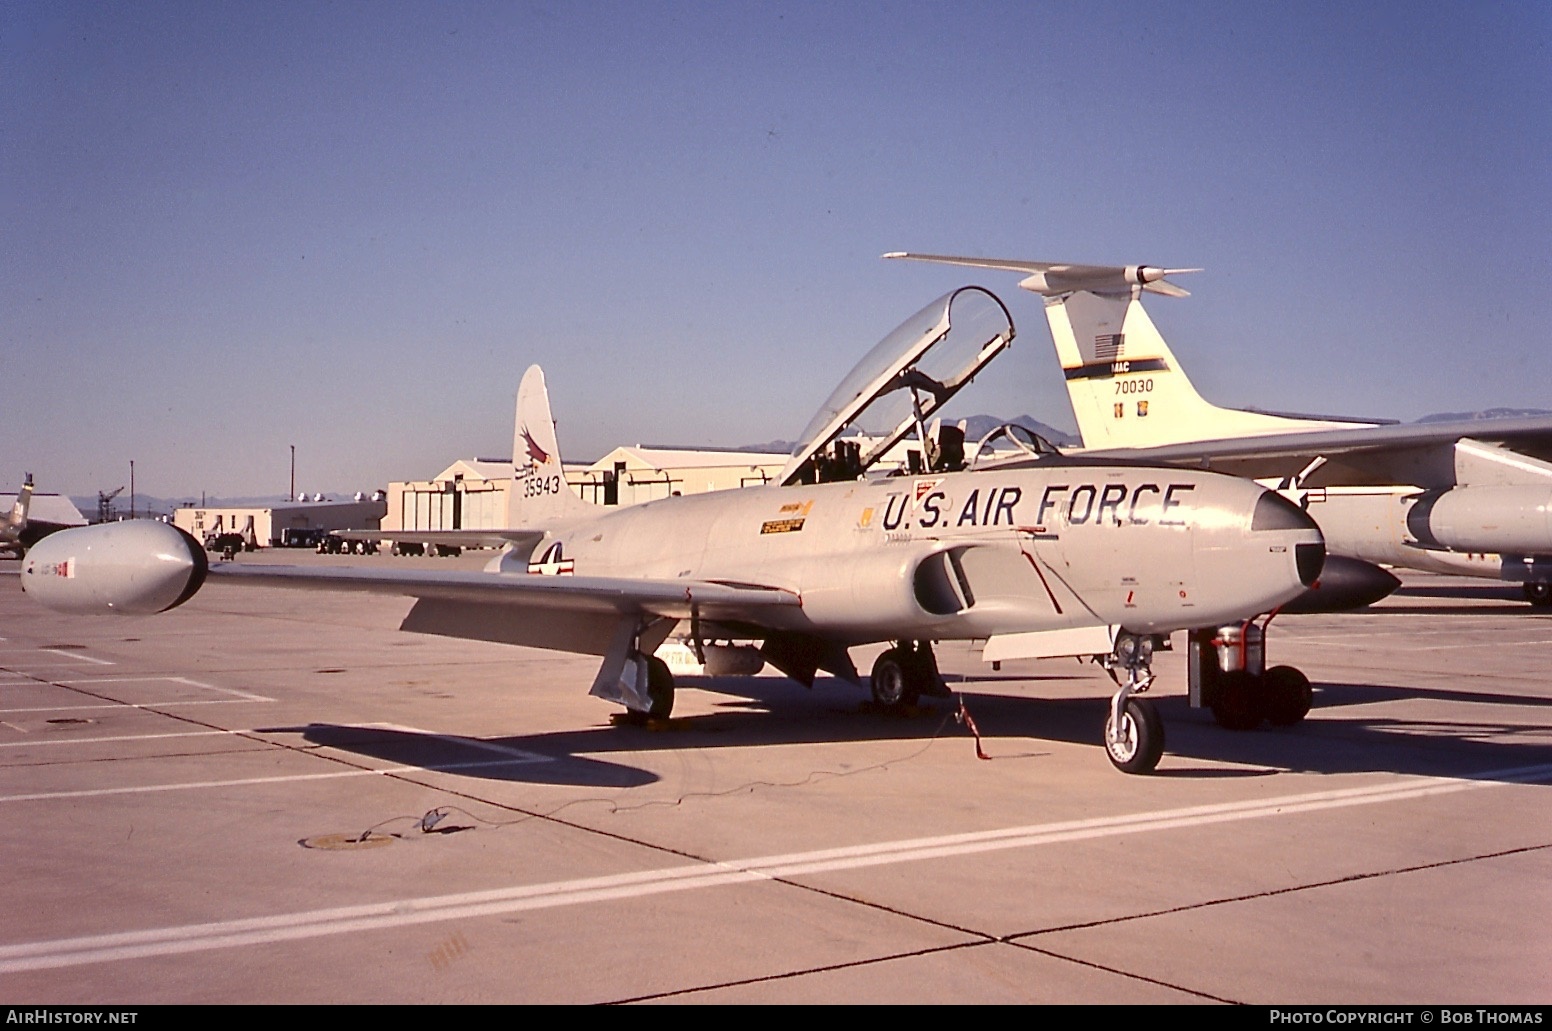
<point>539,497</point>
<point>1126,387</point>
<point>16,520</point>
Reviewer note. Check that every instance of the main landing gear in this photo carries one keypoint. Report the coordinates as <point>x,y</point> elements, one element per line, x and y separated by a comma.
<point>1539,593</point>
<point>904,673</point>
<point>1134,732</point>
<point>1228,674</point>
<point>659,693</point>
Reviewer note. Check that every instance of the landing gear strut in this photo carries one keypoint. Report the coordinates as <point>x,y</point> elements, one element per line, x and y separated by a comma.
<point>904,673</point>
<point>1134,733</point>
<point>632,676</point>
<point>1228,675</point>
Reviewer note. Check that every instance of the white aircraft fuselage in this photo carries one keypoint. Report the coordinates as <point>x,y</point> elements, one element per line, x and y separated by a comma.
<point>972,554</point>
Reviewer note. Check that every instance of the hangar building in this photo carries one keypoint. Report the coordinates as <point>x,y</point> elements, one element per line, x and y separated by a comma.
<point>266,526</point>
<point>471,494</point>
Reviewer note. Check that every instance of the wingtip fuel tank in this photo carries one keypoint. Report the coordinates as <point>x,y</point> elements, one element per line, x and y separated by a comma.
<point>137,567</point>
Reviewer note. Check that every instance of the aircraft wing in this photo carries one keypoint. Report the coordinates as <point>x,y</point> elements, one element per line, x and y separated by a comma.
<point>676,599</point>
<point>581,614</point>
<point>1356,455</point>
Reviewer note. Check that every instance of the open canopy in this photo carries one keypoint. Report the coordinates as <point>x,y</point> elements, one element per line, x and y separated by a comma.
<point>902,382</point>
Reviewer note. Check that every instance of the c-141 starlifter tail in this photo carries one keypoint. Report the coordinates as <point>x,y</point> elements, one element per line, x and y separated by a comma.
<point>1126,387</point>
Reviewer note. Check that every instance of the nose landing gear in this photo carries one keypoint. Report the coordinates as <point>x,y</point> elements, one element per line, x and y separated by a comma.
<point>1134,732</point>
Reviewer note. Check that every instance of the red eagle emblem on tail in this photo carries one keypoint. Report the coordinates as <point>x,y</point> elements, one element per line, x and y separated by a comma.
<point>535,452</point>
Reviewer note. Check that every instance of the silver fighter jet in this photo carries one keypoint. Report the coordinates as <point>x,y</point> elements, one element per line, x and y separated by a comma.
<point>1043,557</point>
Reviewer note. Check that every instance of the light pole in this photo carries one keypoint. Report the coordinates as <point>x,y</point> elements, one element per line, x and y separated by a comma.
<point>292,495</point>
<point>132,488</point>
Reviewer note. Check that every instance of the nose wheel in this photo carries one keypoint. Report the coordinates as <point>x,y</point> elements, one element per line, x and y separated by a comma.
<point>1135,742</point>
<point>1134,731</point>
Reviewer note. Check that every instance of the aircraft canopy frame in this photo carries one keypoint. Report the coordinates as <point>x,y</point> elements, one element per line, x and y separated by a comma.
<point>907,377</point>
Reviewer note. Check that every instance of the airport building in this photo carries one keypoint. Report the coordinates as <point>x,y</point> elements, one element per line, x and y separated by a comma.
<point>471,494</point>
<point>275,524</point>
<point>631,475</point>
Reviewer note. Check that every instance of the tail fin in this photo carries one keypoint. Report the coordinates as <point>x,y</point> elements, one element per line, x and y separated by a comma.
<point>16,521</point>
<point>1126,387</point>
<point>539,496</point>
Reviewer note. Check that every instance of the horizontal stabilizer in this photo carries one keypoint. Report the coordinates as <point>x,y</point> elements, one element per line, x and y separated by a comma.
<point>1053,278</point>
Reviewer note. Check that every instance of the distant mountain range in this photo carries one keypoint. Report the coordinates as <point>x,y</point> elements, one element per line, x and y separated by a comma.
<point>1490,413</point>
<point>146,504</point>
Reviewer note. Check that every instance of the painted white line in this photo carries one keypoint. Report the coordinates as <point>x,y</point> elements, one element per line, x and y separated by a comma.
<point>77,655</point>
<point>223,690</point>
<point>164,680</point>
<point>117,737</point>
<point>175,703</point>
<point>165,941</point>
<point>1498,643</point>
<point>31,668</point>
<point>152,789</point>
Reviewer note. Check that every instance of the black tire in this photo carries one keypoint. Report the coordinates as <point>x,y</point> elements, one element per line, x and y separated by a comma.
<point>1539,593</point>
<point>660,688</point>
<point>1239,704</point>
<point>1288,696</point>
<point>892,681</point>
<point>1138,744</point>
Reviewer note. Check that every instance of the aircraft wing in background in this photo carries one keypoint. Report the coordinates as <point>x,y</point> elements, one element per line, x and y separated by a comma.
<point>1367,451</point>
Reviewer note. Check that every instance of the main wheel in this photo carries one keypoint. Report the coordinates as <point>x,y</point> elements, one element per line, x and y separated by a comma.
<point>1539,593</point>
<point>892,682</point>
<point>1239,705</point>
<point>660,688</point>
<point>1138,743</point>
<point>1288,696</point>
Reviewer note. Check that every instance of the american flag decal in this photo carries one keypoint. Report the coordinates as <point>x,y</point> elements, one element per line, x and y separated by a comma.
<point>1107,346</point>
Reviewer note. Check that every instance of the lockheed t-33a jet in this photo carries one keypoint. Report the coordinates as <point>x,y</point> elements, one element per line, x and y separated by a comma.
<point>1010,543</point>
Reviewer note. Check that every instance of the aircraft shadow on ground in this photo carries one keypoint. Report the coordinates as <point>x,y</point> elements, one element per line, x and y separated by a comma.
<point>772,712</point>
<point>1350,743</point>
<point>503,759</point>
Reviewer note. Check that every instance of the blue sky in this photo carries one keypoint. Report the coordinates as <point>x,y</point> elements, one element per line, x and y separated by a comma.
<point>234,227</point>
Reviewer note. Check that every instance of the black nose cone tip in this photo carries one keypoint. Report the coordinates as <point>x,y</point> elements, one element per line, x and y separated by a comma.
<point>1310,559</point>
<point>196,574</point>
